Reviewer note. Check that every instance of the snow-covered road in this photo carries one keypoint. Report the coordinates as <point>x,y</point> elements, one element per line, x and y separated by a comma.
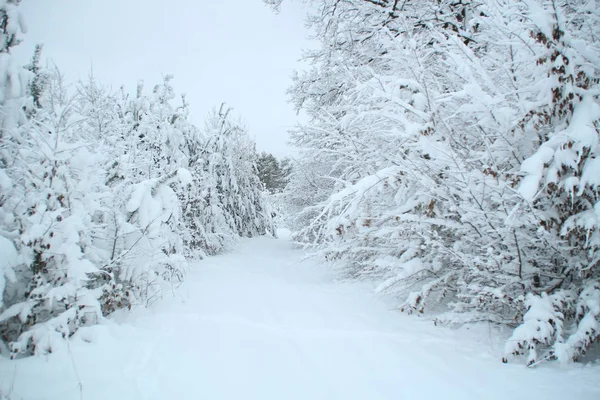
<point>259,324</point>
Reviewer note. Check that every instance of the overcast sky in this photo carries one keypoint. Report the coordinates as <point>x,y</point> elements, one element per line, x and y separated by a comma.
<point>237,51</point>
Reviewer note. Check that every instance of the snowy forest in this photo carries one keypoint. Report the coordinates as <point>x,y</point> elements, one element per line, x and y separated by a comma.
<point>450,157</point>
<point>106,196</point>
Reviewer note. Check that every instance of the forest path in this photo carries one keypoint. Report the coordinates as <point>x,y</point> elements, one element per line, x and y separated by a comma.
<point>257,323</point>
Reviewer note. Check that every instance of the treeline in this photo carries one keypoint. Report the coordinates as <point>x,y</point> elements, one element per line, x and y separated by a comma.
<point>105,196</point>
<point>452,154</point>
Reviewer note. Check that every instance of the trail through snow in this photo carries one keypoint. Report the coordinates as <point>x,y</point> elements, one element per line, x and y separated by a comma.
<point>258,323</point>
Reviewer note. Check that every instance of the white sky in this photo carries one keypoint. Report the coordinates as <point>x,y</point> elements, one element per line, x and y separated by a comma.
<point>237,51</point>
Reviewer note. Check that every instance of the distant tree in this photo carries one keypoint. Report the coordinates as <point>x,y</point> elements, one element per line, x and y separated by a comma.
<point>40,76</point>
<point>272,172</point>
<point>232,160</point>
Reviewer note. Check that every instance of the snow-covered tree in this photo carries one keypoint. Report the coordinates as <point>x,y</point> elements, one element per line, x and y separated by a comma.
<point>560,184</point>
<point>231,158</point>
<point>56,191</point>
<point>13,134</point>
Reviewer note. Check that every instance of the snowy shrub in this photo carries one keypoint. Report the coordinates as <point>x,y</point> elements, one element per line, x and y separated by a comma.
<point>587,325</point>
<point>543,325</point>
<point>562,324</point>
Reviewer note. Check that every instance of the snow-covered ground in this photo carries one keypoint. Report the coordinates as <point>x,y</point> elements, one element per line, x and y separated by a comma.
<point>258,323</point>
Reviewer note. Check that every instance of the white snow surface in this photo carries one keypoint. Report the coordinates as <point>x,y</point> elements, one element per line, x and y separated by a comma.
<point>259,323</point>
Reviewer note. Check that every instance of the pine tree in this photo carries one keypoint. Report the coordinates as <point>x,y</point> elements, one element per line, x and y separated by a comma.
<point>273,173</point>
<point>51,297</point>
